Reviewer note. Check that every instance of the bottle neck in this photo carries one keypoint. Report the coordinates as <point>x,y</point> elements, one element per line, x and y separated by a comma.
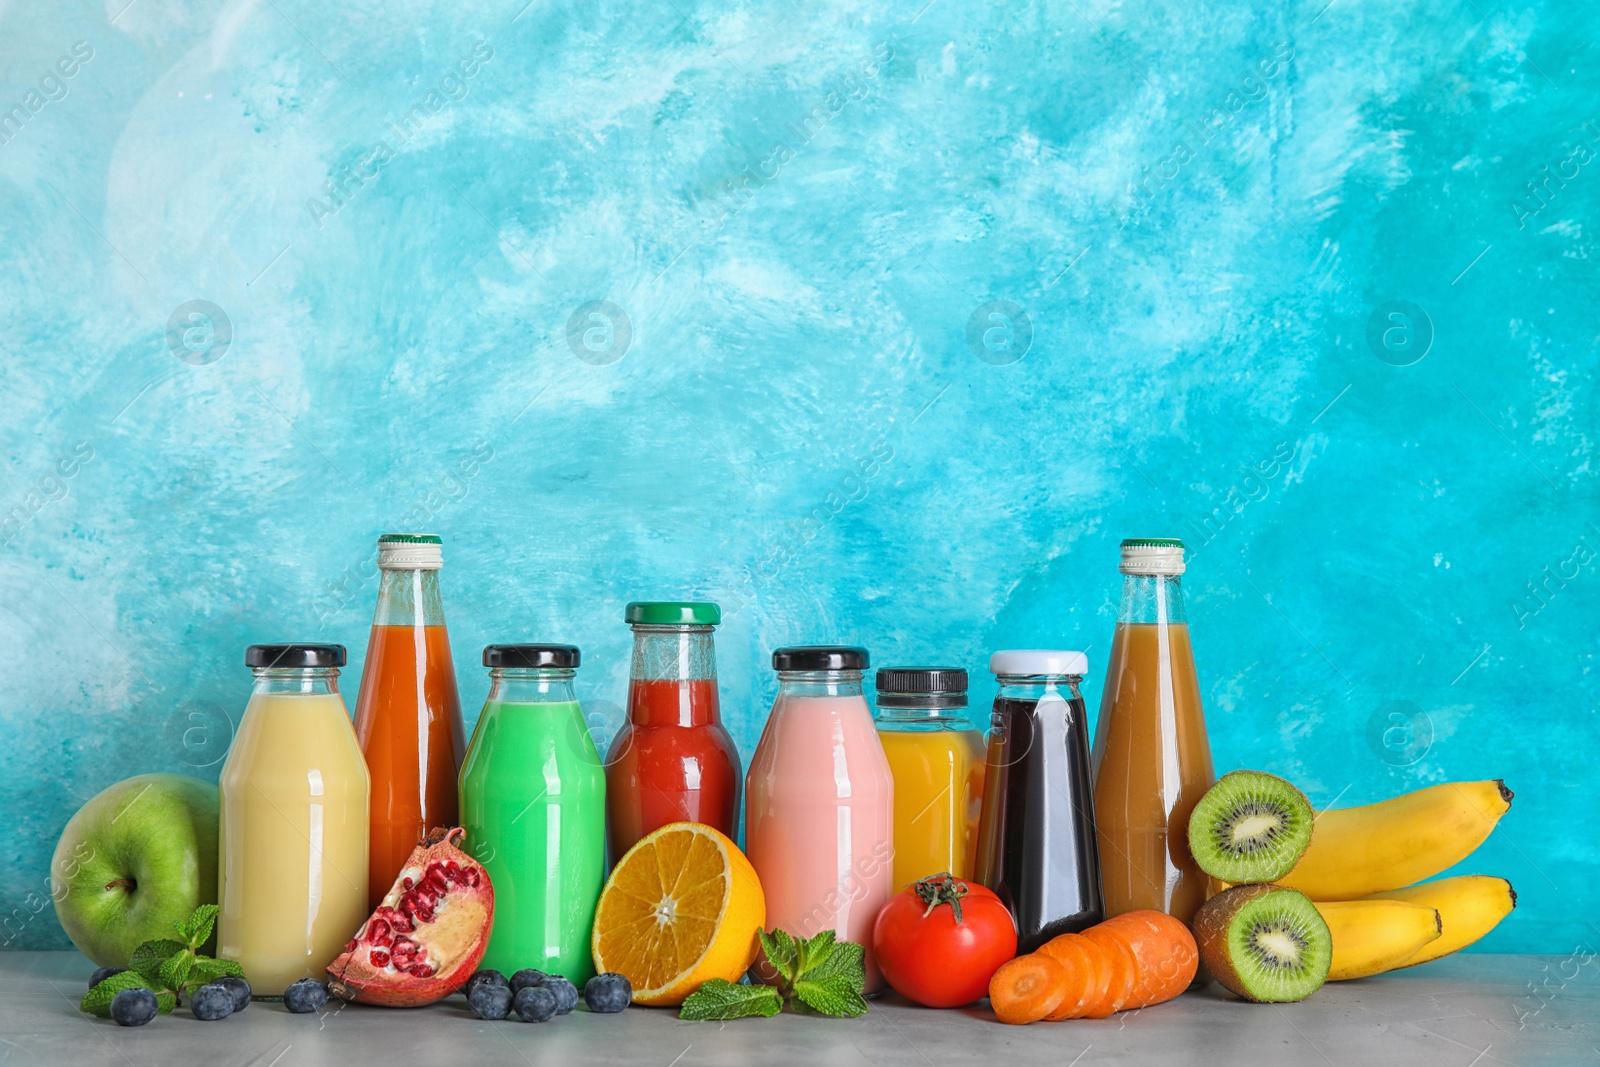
<point>295,681</point>
<point>673,654</point>
<point>1152,598</point>
<point>1035,687</point>
<point>891,715</point>
<point>531,685</point>
<point>409,598</point>
<point>819,684</point>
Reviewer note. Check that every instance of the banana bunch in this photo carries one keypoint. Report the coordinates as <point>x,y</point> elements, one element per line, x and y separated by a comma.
<point>1362,865</point>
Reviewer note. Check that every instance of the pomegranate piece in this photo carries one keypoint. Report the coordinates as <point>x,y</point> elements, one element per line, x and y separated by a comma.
<point>429,934</point>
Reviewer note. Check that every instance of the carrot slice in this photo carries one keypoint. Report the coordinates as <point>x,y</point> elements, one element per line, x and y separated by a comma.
<point>1124,972</point>
<point>1084,976</point>
<point>1027,988</point>
<point>1165,951</point>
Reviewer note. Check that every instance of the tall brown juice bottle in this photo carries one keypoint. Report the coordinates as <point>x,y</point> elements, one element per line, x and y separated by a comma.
<point>408,714</point>
<point>1152,760</point>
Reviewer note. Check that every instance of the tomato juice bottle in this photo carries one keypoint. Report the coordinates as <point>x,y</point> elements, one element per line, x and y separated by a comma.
<point>408,713</point>
<point>672,761</point>
<point>533,802</point>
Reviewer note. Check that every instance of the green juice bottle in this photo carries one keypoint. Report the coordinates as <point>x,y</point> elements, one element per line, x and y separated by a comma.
<point>533,801</point>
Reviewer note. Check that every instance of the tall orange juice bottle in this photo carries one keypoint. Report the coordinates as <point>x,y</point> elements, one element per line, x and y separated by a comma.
<point>819,803</point>
<point>936,757</point>
<point>408,714</point>
<point>293,856</point>
<point>1152,758</point>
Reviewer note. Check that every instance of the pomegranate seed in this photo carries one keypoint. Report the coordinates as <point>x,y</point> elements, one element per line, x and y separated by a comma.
<point>401,923</point>
<point>407,884</point>
<point>379,958</point>
<point>471,877</point>
<point>437,879</point>
<point>421,970</point>
<point>378,930</point>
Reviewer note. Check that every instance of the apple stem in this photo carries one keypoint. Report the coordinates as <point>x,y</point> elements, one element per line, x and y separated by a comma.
<point>121,883</point>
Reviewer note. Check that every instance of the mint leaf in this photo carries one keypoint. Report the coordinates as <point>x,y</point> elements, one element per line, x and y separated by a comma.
<point>174,970</point>
<point>845,959</point>
<point>782,953</point>
<point>207,969</point>
<point>165,1002</point>
<point>148,957</point>
<point>721,999</point>
<point>814,952</point>
<point>98,1000</point>
<point>835,995</point>
<point>197,927</point>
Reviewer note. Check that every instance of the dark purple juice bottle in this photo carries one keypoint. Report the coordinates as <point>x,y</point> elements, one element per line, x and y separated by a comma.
<point>1036,836</point>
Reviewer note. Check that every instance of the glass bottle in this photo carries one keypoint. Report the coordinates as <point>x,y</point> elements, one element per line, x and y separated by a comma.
<point>935,755</point>
<point>819,803</point>
<point>672,761</point>
<point>293,859</point>
<point>533,802</point>
<point>408,713</point>
<point>1036,839</point>
<point>1151,756</point>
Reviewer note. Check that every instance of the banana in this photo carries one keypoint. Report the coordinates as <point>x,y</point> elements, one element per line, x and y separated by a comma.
<point>1373,936</point>
<point>1469,906</point>
<point>1355,852</point>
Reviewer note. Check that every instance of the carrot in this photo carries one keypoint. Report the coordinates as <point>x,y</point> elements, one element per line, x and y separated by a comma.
<point>1027,988</point>
<point>1086,974</point>
<point>1124,972</point>
<point>1165,951</point>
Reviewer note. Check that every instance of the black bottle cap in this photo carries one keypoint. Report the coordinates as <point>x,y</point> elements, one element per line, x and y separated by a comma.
<point>288,657</point>
<point>922,687</point>
<point>566,656</point>
<point>820,658</point>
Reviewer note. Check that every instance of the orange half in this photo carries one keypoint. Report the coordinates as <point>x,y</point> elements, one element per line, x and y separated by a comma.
<point>681,907</point>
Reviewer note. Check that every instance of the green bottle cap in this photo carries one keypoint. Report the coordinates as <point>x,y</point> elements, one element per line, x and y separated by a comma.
<point>1152,542</point>
<point>672,613</point>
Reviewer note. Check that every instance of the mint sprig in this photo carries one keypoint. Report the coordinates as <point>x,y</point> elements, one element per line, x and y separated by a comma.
<point>819,976</point>
<point>169,969</point>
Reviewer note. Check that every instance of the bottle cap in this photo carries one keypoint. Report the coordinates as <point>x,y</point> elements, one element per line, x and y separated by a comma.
<point>289,657</point>
<point>922,687</point>
<point>672,613</point>
<point>565,656</point>
<point>1039,661</point>
<point>1152,555</point>
<point>410,552</point>
<point>820,658</point>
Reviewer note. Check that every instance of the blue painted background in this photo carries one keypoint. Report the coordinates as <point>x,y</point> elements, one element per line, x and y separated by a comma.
<point>875,322</point>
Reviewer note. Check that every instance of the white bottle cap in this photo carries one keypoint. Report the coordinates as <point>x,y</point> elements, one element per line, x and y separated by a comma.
<point>1152,555</point>
<point>410,552</point>
<point>1038,661</point>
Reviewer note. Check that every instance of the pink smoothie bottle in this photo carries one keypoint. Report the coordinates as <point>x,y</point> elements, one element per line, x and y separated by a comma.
<point>819,802</point>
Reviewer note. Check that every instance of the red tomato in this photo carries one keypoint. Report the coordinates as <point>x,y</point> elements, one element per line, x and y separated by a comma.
<point>939,941</point>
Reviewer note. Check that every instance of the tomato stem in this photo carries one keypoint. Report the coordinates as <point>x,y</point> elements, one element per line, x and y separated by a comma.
<point>939,889</point>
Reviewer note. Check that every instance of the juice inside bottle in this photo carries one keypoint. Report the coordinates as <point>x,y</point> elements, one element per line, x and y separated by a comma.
<point>408,713</point>
<point>935,756</point>
<point>293,858</point>
<point>1151,754</point>
<point>672,761</point>
<point>1036,840</point>
<point>533,802</point>
<point>819,803</point>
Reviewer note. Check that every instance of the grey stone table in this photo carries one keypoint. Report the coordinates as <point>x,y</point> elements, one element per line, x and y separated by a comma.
<point>1464,1011</point>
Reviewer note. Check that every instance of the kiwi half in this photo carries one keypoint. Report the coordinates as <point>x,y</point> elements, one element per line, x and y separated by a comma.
<point>1264,942</point>
<point>1250,827</point>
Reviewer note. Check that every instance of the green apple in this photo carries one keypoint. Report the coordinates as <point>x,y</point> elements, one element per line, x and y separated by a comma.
<point>134,860</point>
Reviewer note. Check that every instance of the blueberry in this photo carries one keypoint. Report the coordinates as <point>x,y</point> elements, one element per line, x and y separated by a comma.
<point>525,978</point>
<point>535,1004</point>
<point>607,993</point>
<point>211,1002</point>
<point>102,974</point>
<point>237,988</point>
<point>305,996</point>
<point>490,1001</point>
<point>565,992</point>
<point>484,978</point>
<point>133,1007</point>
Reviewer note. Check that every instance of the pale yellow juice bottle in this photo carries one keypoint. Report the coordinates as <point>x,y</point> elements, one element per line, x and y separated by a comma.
<point>295,790</point>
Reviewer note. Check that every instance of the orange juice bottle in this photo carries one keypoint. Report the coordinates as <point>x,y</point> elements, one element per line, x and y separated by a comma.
<point>936,757</point>
<point>408,714</point>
